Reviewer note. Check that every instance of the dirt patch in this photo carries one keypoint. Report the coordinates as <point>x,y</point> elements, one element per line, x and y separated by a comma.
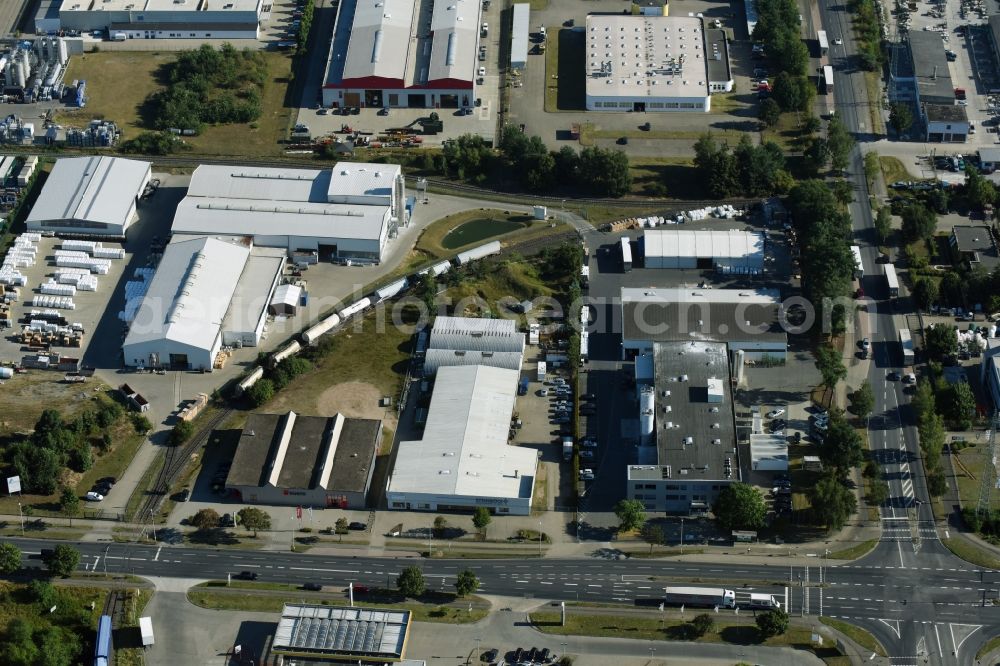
<point>357,400</point>
<point>26,396</point>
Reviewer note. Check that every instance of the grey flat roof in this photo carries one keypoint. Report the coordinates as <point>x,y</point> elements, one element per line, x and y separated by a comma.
<point>930,66</point>
<point>341,631</point>
<point>723,315</point>
<point>301,464</point>
<point>995,29</point>
<point>946,113</point>
<point>989,155</point>
<point>248,304</point>
<point>691,413</point>
<point>715,41</point>
<point>972,238</point>
<point>358,439</point>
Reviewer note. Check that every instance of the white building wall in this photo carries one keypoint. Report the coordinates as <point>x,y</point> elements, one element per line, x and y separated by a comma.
<point>399,98</point>
<point>182,32</point>
<point>653,104</point>
<point>139,353</point>
<point>520,506</point>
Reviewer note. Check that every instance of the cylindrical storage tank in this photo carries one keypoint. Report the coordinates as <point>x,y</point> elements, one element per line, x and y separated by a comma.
<point>292,348</point>
<point>6,373</point>
<point>20,75</point>
<point>312,334</point>
<point>249,380</point>
<point>355,308</point>
<point>647,404</point>
<point>63,51</point>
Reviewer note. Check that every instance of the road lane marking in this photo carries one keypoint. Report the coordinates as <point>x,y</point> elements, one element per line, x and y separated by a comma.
<point>938,636</point>
<point>352,571</point>
<point>157,556</point>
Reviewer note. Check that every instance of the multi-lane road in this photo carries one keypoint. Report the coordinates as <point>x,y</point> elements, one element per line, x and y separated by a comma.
<point>930,598</point>
<point>925,585</point>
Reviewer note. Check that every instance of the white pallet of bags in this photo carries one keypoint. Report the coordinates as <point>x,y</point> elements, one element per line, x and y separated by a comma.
<point>109,253</point>
<point>87,283</point>
<point>60,302</point>
<point>70,253</point>
<point>33,236</point>
<point>80,245</point>
<point>56,289</point>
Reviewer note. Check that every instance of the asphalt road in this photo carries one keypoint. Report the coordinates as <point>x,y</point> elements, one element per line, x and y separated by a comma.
<point>917,568</point>
<point>888,600</point>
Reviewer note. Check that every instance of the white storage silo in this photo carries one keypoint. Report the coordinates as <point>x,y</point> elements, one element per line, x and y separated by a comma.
<point>647,405</point>
<point>63,51</point>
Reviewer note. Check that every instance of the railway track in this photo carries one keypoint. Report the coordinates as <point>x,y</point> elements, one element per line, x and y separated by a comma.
<point>175,459</point>
<point>114,605</point>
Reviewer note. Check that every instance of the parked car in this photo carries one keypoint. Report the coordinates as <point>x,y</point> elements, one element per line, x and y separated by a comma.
<point>588,396</point>
<point>93,497</point>
<point>312,587</point>
<point>543,392</point>
<point>588,443</point>
<point>247,575</point>
<point>358,526</point>
<point>227,520</point>
<point>587,455</point>
<point>360,589</point>
<point>775,413</point>
<point>586,475</point>
<point>892,376</point>
<point>185,495</point>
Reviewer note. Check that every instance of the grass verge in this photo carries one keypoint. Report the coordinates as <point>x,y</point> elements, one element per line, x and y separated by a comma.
<point>988,647</point>
<point>272,602</point>
<point>654,628</point>
<point>971,553</point>
<point>873,84</point>
<point>856,634</point>
<point>854,552</point>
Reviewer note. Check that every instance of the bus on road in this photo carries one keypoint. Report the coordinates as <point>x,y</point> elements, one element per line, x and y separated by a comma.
<point>906,345</point>
<point>826,80</point>
<point>859,269</point>
<point>891,281</point>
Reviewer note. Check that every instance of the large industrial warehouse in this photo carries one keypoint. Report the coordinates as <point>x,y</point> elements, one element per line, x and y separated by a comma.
<point>687,428</point>
<point>386,53</point>
<point>340,634</point>
<point>474,341</point>
<point>745,319</point>
<point>158,19</point>
<point>90,196</point>
<point>205,293</point>
<point>463,461</point>
<point>727,251</point>
<point>347,212</point>
<point>653,63</point>
<point>301,460</point>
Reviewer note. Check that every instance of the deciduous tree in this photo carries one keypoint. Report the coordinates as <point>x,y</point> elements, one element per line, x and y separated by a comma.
<point>631,515</point>
<point>832,503</point>
<point>411,582</point>
<point>739,506</point>
<point>254,519</point>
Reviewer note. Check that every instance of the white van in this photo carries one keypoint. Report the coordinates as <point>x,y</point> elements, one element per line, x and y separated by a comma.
<point>119,36</point>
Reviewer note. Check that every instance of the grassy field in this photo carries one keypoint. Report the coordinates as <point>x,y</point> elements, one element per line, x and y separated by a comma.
<point>377,354</point>
<point>856,634</point>
<point>109,98</point>
<point>73,614</point>
<point>663,176</point>
<point>272,602</point>
<point>787,133</point>
<point>69,401</point>
<point>893,169</point>
<point>874,85</point>
<point>854,552</point>
<point>652,628</point>
<point>968,467</point>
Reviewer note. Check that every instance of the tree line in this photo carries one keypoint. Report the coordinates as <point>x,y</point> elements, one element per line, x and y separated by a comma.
<point>208,86</point>
<point>526,160</point>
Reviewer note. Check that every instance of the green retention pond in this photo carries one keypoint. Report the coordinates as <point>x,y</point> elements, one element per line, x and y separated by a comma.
<point>481,229</point>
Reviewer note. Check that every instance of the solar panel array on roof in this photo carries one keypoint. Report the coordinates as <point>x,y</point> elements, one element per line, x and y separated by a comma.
<point>347,631</point>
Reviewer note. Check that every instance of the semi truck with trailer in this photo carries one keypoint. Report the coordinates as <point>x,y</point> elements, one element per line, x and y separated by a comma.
<point>626,250</point>
<point>906,346</point>
<point>699,596</point>
<point>567,446</point>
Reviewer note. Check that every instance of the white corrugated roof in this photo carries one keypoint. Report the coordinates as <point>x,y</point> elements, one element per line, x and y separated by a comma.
<point>98,189</point>
<point>464,450</point>
<point>714,243</point>
<point>341,630</point>
<point>476,334</point>
<point>263,267</point>
<point>519,33</point>
<point>455,26</point>
<point>190,293</point>
<point>380,37</point>
<point>439,358</point>
<point>287,294</point>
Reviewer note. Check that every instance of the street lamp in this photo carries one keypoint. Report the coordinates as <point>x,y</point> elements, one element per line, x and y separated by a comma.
<point>478,640</point>
<point>682,536</point>
<point>539,538</point>
<point>21,514</point>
